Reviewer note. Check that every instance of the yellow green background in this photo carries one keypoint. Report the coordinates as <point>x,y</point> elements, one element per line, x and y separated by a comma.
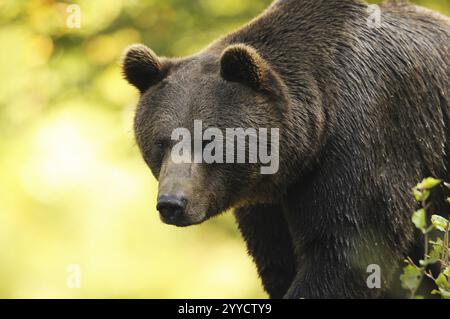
<point>73,187</point>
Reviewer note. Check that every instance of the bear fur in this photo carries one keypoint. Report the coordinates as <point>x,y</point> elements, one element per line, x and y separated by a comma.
<point>363,113</point>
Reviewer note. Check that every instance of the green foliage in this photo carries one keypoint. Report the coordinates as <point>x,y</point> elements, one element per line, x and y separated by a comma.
<point>419,219</point>
<point>440,223</point>
<point>411,277</point>
<point>413,274</point>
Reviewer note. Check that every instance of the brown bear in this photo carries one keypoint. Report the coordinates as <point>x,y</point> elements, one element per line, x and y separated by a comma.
<point>362,110</point>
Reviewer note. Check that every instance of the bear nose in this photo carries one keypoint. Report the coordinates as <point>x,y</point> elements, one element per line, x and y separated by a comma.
<point>171,207</point>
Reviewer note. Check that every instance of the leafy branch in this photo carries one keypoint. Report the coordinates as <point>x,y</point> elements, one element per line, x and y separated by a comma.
<point>436,252</point>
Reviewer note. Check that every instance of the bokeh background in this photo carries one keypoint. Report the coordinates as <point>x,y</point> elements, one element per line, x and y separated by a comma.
<point>73,188</point>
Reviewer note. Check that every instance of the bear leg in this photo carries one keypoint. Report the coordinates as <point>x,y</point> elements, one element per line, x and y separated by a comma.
<point>269,243</point>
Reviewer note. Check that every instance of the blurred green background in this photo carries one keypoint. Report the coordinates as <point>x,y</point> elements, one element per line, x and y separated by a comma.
<point>73,187</point>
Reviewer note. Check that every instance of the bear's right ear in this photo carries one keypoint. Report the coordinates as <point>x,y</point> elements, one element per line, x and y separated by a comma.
<point>142,67</point>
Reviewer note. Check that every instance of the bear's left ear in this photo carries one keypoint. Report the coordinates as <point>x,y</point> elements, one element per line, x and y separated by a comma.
<point>241,63</point>
<point>142,67</point>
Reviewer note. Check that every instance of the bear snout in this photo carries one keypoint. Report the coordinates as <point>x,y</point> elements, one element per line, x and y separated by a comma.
<point>170,207</point>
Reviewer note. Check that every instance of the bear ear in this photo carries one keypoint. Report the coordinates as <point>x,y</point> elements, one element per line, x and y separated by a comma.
<point>241,63</point>
<point>141,67</point>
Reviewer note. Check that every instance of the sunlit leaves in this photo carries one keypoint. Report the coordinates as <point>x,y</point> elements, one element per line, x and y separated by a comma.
<point>447,271</point>
<point>421,191</point>
<point>429,183</point>
<point>439,254</point>
<point>411,277</point>
<point>419,219</point>
<point>439,223</point>
<point>441,282</point>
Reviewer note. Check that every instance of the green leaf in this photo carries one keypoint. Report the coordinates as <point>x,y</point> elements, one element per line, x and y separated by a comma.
<point>417,195</point>
<point>420,195</point>
<point>439,222</point>
<point>435,254</point>
<point>445,294</point>
<point>438,242</point>
<point>428,261</point>
<point>419,219</point>
<point>442,282</point>
<point>411,277</point>
<point>429,183</point>
<point>447,271</point>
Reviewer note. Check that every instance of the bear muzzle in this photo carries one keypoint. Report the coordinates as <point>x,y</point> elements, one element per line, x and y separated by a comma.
<point>177,201</point>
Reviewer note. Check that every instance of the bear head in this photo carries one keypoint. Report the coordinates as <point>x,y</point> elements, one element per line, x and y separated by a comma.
<point>227,88</point>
